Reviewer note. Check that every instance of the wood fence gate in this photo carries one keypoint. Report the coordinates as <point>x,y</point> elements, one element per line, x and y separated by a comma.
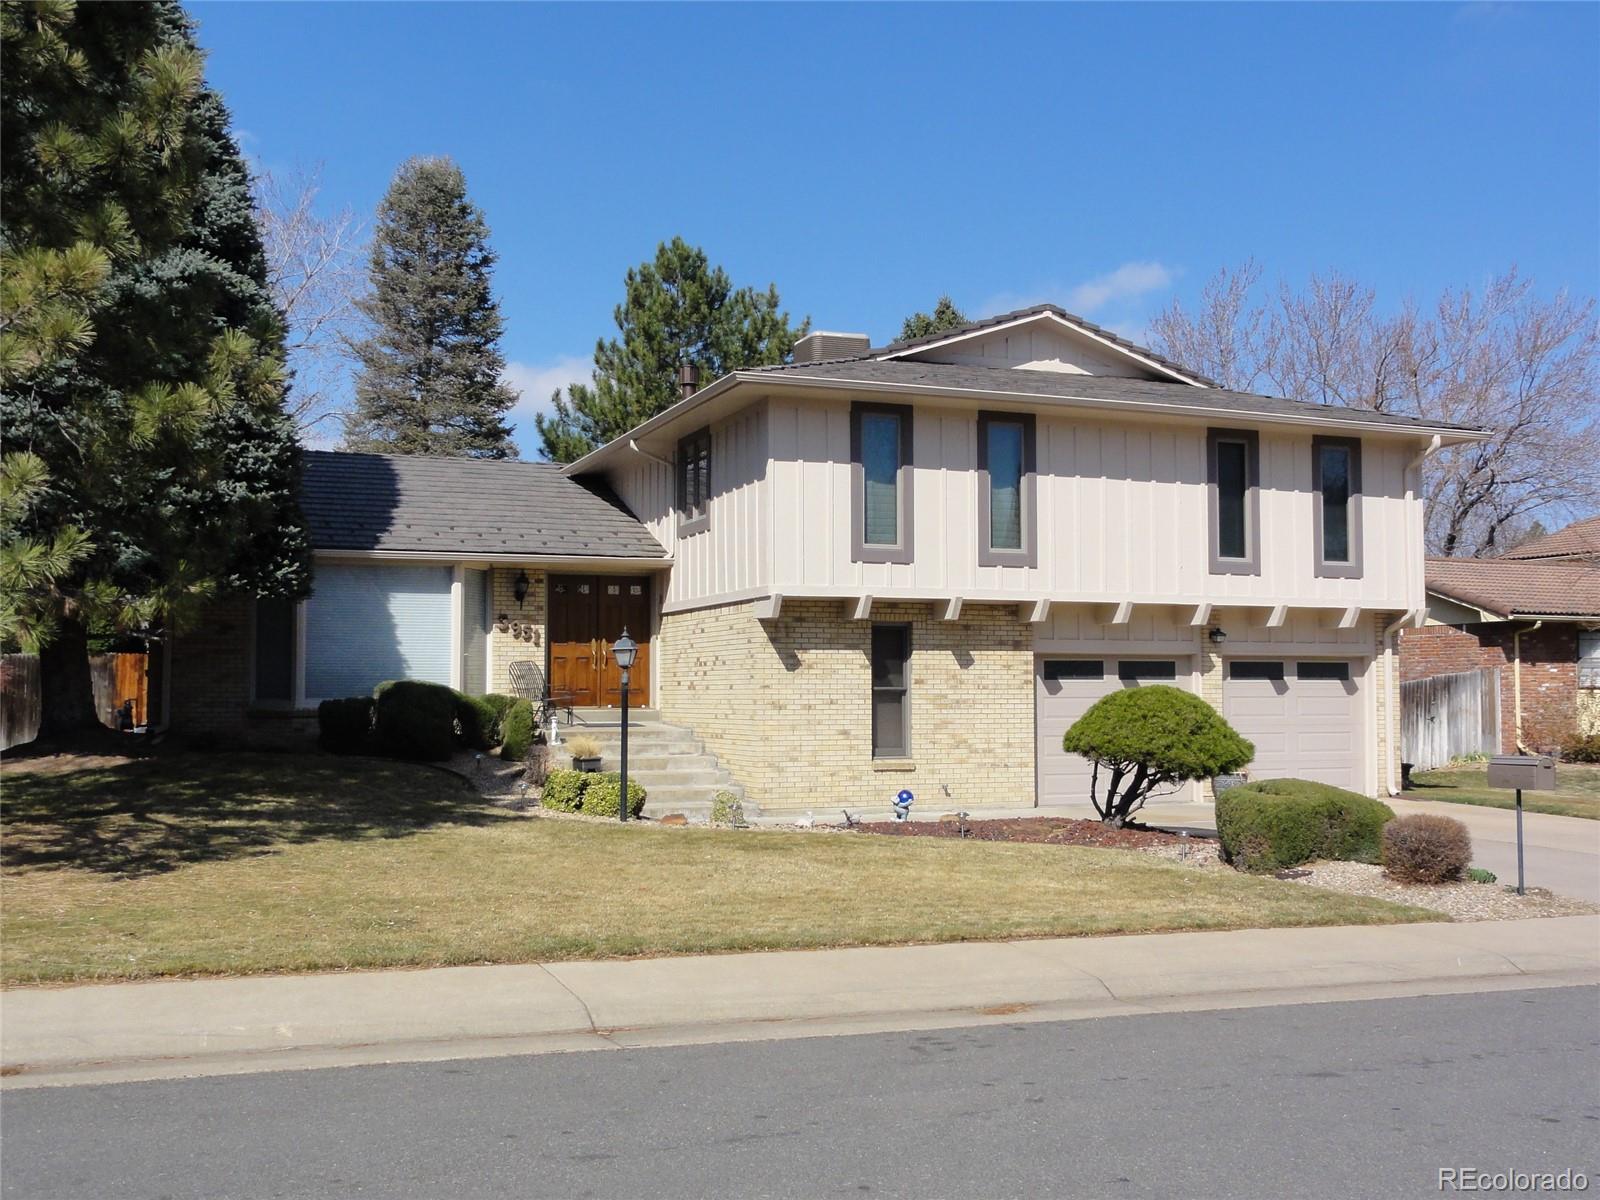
<point>1448,716</point>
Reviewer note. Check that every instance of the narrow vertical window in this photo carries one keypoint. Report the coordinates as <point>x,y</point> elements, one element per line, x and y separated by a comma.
<point>274,650</point>
<point>1007,484</point>
<point>881,482</point>
<point>891,717</point>
<point>694,482</point>
<point>1233,461</point>
<point>1336,488</point>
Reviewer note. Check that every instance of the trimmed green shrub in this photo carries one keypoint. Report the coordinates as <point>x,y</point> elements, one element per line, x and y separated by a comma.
<point>1426,849</point>
<point>727,809</point>
<point>345,726</point>
<point>501,704</point>
<point>604,793</point>
<point>563,790</point>
<point>1479,875</point>
<point>1279,823</point>
<point>517,728</point>
<point>477,722</point>
<point>1146,738</point>
<point>1581,748</point>
<point>416,720</point>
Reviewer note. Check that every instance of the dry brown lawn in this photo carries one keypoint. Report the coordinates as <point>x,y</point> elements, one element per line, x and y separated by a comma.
<point>215,865</point>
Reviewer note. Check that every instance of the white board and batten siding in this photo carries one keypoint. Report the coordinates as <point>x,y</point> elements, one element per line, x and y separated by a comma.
<point>1037,347</point>
<point>1122,512</point>
<point>728,558</point>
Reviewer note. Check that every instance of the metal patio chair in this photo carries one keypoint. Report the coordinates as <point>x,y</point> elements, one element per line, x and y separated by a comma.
<point>528,682</point>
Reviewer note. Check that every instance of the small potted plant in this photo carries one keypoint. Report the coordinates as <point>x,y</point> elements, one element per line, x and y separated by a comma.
<point>585,753</point>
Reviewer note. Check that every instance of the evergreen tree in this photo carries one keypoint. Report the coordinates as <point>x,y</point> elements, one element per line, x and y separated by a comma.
<point>148,462</point>
<point>945,316</point>
<point>430,372</point>
<point>677,310</point>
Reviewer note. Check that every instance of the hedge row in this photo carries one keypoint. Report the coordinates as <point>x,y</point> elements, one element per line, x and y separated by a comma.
<point>598,794</point>
<point>1279,823</point>
<point>407,718</point>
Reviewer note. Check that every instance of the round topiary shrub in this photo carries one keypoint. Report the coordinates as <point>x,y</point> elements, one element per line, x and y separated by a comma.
<point>1426,849</point>
<point>517,728</point>
<point>345,726</point>
<point>477,722</point>
<point>416,720</point>
<point>1149,738</point>
<point>604,793</point>
<point>563,790</point>
<point>1279,823</point>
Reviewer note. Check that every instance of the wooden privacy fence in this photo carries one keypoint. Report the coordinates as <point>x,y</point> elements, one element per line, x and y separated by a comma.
<point>1448,716</point>
<point>116,678</point>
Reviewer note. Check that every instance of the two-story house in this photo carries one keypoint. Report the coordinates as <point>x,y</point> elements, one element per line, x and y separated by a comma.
<point>905,566</point>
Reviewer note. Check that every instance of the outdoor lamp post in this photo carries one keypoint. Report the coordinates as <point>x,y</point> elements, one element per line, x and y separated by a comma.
<point>624,649</point>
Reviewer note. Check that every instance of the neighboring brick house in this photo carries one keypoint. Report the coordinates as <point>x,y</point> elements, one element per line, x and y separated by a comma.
<point>1536,619</point>
<point>873,568</point>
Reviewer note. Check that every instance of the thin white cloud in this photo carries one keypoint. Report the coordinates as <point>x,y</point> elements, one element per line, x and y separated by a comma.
<point>1126,283</point>
<point>535,383</point>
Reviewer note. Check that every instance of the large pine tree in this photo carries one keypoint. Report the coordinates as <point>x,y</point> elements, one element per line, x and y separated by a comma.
<point>431,370</point>
<point>678,310</point>
<point>149,465</point>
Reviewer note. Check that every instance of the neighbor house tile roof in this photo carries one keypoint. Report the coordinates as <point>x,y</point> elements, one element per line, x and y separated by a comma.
<point>1523,588</point>
<point>1067,385</point>
<point>1033,311</point>
<point>463,506</point>
<point>1581,539</point>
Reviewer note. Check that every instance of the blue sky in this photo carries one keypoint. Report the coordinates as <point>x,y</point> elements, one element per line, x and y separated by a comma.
<point>867,158</point>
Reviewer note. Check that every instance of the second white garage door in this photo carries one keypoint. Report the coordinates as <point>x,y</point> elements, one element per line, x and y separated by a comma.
<point>1304,717</point>
<point>1065,688</point>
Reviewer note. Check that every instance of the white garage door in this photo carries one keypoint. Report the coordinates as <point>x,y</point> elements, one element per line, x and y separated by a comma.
<point>1304,717</point>
<point>1065,688</point>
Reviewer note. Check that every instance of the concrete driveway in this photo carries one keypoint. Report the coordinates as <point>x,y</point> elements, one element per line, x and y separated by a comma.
<point>1560,853</point>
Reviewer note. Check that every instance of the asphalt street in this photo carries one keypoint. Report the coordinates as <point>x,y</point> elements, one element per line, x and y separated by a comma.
<point>1357,1099</point>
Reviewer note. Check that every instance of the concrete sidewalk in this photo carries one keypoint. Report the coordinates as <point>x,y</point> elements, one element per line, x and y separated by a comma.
<point>230,1026</point>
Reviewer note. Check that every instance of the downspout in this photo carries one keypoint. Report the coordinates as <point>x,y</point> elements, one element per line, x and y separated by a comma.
<point>1413,616</point>
<point>1516,681</point>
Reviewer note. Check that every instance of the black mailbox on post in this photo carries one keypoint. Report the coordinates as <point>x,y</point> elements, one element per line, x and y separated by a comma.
<point>1523,772</point>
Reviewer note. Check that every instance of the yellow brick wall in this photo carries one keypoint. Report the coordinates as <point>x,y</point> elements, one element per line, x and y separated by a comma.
<point>523,632</point>
<point>787,704</point>
<point>1386,680</point>
<point>1589,710</point>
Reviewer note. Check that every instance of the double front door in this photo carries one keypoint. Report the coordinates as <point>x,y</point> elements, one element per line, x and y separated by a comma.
<point>587,615</point>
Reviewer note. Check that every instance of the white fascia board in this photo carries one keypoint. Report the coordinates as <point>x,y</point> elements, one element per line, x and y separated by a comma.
<point>1206,412</point>
<point>595,562</point>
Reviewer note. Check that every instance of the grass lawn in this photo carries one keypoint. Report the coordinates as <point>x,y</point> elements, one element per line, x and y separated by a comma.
<point>1577,791</point>
<point>247,863</point>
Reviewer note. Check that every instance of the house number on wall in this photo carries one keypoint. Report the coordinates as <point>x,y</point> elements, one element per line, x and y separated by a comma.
<point>522,631</point>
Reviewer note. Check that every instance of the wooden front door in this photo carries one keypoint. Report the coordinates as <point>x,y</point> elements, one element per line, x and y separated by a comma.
<point>587,615</point>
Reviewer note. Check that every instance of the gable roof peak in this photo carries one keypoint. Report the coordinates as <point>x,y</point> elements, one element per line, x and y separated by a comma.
<point>1052,312</point>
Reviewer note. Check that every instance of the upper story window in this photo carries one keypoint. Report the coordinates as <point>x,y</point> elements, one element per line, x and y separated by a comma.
<point>880,482</point>
<point>694,482</point>
<point>1233,477</point>
<point>1336,488</point>
<point>1006,490</point>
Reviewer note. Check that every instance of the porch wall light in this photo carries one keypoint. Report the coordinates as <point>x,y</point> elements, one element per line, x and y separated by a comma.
<point>520,588</point>
<point>1218,636</point>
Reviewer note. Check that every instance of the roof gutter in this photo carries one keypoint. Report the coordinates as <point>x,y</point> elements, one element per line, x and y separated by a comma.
<point>665,417</point>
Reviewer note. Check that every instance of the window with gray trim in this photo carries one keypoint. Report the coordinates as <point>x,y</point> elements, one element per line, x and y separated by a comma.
<point>891,686</point>
<point>881,482</point>
<point>1007,488</point>
<point>1233,479</point>
<point>1589,658</point>
<point>694,482</point>
<point>1336,488</point>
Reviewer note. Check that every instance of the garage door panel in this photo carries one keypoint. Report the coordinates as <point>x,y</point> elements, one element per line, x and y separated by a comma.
<point>1305,726</point>
<point>1064,778</point>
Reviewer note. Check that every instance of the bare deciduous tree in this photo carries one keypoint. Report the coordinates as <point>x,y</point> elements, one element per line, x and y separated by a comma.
<point>1506,358</point>
<point>315,267</point>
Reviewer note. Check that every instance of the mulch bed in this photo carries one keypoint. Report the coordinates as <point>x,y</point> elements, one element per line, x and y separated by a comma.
<point>1058,831</point>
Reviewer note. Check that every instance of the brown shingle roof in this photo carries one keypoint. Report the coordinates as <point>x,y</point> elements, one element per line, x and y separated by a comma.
<point>1535,589</point>
<point>1581,539</point>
